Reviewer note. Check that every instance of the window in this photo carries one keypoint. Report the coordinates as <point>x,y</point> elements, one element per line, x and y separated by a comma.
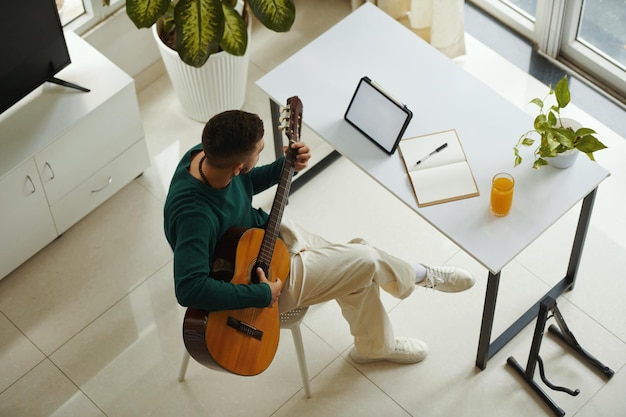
<point>601,28</point>
<point>594,39</point>
<point>588,35</point>
<point>82,15</point>
<point>525,7</point>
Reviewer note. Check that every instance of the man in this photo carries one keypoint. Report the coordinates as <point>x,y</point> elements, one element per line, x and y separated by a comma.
<point>211,191</point>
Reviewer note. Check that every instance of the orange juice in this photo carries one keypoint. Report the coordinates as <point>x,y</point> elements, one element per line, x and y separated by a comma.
<point>501,194</point>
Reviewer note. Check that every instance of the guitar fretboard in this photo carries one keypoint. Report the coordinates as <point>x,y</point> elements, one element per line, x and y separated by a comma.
<point>272,229</point>
<point>278,207</point>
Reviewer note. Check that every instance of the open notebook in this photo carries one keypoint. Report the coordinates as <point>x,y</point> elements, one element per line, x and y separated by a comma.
<point>444,176</point>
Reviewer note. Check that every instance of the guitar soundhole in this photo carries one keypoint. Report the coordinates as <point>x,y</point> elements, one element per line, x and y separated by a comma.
<point>254,277</point>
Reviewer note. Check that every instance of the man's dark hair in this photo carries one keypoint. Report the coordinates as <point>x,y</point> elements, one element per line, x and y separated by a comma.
<point>229,137</point>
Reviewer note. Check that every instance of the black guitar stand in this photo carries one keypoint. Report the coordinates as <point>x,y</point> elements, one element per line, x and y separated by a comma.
<point>548,304</point>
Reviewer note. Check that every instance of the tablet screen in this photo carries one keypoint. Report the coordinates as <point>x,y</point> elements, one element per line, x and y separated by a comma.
<point>378,115</point>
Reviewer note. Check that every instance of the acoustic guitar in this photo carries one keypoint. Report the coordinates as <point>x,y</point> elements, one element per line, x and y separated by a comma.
<point>245,341</point>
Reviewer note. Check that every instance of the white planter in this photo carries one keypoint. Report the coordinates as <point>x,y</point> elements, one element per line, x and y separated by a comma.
<point>219,85</point>
<point>567,158</point>
<point>564,160</point>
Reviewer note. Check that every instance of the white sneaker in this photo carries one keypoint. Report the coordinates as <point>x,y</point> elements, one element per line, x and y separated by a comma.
<point>407,350</point>
<point>447,279</point>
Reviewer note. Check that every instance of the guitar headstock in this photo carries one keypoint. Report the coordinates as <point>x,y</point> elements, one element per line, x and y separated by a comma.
<point>292,120</point>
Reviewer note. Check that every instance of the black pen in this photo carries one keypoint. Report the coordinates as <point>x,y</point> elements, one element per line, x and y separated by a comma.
<point>439,149</point>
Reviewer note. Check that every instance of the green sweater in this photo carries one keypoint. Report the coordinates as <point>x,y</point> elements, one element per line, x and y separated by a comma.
<point>196,216</point>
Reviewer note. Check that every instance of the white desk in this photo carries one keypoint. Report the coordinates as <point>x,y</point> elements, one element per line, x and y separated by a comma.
<point>442,96</point>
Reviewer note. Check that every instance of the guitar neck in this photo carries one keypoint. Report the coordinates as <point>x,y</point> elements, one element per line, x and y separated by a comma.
<point>278,207</point>
<point>284,185</point>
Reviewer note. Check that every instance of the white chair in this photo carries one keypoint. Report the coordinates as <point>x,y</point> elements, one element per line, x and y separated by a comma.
<point>289,320</point>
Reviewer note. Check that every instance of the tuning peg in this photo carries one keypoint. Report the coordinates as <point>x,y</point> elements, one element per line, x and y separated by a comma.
<point>283,122</point>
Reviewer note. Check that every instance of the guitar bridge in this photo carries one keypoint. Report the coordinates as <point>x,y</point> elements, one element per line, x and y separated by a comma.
<point>245,328</point>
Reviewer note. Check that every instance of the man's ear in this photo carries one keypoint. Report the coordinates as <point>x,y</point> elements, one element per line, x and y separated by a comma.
<point>237,168</point>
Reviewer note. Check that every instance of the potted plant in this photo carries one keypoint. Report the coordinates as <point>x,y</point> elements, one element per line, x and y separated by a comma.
<point>560,138</point>
<point>196,30</point>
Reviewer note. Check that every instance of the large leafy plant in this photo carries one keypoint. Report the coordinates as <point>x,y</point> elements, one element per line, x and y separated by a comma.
<point>554,137</point>
<point>198,28</point>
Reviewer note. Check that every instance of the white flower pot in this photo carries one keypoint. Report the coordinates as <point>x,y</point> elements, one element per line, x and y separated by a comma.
<point>219,85</point>
<point>564,160</point>
<point>567,158</point>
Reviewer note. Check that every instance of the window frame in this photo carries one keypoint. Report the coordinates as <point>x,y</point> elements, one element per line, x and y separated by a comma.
<point>555,30</point>
<point>602,69</point>
<point>95,12</point>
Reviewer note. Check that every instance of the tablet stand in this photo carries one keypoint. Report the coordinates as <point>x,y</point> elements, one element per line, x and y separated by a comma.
<point>548,304</point>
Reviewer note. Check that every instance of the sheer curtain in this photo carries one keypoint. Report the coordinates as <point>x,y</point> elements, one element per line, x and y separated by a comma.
<point>439,22</point>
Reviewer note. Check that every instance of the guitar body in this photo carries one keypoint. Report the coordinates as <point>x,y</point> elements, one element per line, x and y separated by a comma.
<point>243,341</point>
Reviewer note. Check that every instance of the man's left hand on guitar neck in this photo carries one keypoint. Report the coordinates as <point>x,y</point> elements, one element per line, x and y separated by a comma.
<point>303,155</point>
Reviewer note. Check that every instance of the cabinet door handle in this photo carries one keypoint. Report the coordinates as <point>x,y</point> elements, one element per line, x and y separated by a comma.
<point>109,181</point>
<point>32,184</point>
<point>47,164</point>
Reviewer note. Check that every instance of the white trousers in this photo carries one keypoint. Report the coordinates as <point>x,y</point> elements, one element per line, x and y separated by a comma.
<point>351,273</point>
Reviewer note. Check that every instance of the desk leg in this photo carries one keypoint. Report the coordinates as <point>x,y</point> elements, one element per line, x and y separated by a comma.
<point>278,135</point>
<point>310,173</point>
<point>493,282</point>
<point>579,237</point>
<point>486,349</point>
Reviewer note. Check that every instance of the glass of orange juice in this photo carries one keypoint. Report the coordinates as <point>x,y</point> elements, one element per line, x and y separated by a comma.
<point>501,194</point>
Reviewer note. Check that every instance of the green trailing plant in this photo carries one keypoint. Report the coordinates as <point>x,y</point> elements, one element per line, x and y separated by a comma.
<point>554,137</point>
<point>198,28</point>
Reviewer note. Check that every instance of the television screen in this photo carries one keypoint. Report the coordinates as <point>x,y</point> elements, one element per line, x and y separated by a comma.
<point>32,50</point>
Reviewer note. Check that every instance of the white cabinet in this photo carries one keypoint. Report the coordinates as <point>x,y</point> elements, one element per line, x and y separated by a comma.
<point>64,152</point>
<point>98,187</point>
<point>25,218</point>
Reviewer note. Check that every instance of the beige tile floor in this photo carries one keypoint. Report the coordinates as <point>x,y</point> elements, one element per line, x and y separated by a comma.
<point>90,327</point>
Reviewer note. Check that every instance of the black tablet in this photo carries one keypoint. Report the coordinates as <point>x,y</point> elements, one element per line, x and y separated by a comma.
<point>378,115</point>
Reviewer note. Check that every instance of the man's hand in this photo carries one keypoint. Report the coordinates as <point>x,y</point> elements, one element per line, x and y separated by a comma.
<point>302,156</point>
<point>274,286</point>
